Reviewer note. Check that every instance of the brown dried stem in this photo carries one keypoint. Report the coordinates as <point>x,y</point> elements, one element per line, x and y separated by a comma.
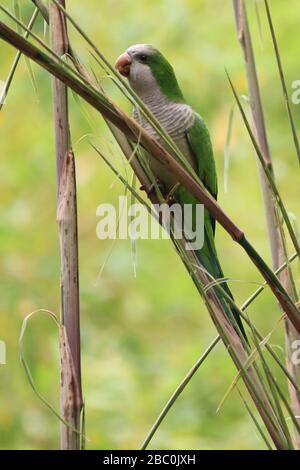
<point>275,229</point>
<point>70,390</point>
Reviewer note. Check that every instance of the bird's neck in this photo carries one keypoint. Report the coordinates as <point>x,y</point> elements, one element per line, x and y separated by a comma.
<point>174,117</point>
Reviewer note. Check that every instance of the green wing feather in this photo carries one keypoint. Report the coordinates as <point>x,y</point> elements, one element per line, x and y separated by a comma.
<point>199,143</point>
<point>200,146</point>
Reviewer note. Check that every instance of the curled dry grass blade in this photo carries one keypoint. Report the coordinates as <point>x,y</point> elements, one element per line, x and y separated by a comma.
<point>277,394</point>
<point>256,423</point>
<point>178,392</point>
<point>227,147</point>
<point>26,367</point>
<point>283,82</point>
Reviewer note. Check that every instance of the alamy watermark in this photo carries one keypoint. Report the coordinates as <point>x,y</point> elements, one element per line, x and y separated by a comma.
<point>134,221</point>
<point>296,94</point>
<point>2,352</point>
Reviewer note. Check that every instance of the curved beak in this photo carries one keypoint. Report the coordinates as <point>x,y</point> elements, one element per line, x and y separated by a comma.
<point>123,64</point>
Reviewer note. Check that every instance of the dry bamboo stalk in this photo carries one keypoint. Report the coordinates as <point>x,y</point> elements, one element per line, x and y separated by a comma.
<point>272,216</point>
<point>134,132</point>
<point>70,389</point>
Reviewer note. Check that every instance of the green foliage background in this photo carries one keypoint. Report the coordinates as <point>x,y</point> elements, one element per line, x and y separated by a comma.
<point>139,335</point>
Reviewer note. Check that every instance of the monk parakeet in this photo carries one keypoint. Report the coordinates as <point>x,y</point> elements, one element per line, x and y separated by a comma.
<point>153,79</point>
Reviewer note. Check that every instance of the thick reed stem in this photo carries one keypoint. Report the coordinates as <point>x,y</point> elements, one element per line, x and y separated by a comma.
<point>276,239</point>
<point>70,390</point>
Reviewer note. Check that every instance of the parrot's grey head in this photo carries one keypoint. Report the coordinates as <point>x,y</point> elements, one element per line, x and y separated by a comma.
<point>135,64</point>
<point>148,71</point>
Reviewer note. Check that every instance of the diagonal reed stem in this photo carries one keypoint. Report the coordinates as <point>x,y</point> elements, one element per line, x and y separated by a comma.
<point>134,132</point>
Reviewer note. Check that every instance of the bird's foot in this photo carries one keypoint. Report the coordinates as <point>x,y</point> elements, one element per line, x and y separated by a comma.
<point>152,189</point>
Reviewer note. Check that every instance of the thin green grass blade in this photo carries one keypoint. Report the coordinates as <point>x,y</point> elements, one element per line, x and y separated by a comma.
<point>26,366</point>
<point>84,112</point>
<point>277,390</point>
<point>256,423</point>
<point>273,391</point>
<point>246,318</point>
<point>227,147</point>
<point>134,194</point>
<point>223,280</point>
<point>281,395</point>
<point>14,66</point>
<point>280,438</point>
<point>53,55</point>
<point>41,5</point>
<point>178,392</point>
<point>283,81</point>
<point>133,239</point>
<point>266,170</point>
<point>258,20</point>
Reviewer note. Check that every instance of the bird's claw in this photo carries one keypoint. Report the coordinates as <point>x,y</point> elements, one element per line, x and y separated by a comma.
<point>152,188</point>
<point>168,199</point>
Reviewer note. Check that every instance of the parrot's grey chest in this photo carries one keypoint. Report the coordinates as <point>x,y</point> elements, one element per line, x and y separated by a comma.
<point>176,119</point>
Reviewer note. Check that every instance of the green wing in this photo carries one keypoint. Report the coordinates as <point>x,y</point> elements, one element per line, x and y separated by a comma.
<point>199,143</point>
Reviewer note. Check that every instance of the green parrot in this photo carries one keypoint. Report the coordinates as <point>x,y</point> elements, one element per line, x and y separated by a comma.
<point>153,79</point>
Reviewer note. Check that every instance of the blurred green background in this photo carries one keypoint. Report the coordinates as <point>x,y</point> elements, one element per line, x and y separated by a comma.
<point>139,335</point>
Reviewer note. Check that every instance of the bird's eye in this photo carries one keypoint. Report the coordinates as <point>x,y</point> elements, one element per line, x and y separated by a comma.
<point>143,58</point>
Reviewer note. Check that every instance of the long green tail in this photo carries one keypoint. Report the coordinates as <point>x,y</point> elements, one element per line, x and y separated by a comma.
<point>208,258</point>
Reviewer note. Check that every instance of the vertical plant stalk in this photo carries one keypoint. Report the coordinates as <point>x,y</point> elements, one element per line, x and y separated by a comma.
<point>70,387</point>
<point>275,230</point>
